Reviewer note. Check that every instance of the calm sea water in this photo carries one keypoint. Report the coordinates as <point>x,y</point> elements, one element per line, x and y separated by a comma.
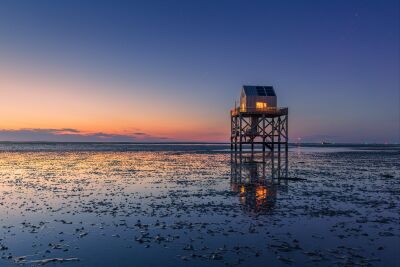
<point>179,205</point>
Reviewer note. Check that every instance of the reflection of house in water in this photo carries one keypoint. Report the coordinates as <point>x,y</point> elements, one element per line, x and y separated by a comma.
<point>256,197</point>
<point>257,193</point>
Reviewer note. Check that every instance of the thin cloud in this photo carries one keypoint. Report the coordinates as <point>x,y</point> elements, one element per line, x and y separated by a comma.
<point>140,133</point>
<point>70,135</point>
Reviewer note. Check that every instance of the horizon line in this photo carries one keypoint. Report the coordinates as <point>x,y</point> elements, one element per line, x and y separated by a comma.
<point>182,142</point>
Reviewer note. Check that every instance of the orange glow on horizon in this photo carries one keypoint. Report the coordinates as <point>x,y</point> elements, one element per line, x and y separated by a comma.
<point>39,99</point>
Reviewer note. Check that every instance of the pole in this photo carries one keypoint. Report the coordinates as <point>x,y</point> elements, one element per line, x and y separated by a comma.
<point>279,146</point>
<point>287,145</point>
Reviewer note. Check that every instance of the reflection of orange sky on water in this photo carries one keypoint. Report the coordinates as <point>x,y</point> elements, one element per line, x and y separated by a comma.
<point>39,183</point>
<point>47,100</point>
<point>56,173</point>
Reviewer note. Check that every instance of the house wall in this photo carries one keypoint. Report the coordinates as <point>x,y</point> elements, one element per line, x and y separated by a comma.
<point>251,101</point>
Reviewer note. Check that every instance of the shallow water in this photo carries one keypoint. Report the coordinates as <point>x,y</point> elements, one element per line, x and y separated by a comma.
<point>179,205</point>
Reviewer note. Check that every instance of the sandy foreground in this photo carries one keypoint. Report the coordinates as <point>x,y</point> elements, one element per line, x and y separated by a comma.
<point>183,207</point>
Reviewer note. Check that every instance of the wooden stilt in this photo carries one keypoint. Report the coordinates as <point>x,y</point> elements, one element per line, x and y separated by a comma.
<point>265,128</point>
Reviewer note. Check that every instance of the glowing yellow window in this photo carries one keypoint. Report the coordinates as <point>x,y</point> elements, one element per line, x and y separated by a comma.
<point>243,107</point>
<point>261,105</point>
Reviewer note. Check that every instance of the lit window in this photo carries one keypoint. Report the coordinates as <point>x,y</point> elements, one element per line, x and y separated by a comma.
<point>261,105</point>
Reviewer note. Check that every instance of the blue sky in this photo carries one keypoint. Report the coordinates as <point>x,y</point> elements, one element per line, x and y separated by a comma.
<point>335,64</point>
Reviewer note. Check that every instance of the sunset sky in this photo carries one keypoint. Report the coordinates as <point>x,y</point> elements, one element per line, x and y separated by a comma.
<point>172,70</point>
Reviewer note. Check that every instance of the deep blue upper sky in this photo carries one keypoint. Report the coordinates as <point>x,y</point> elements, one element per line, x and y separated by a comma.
<point>334,63</point>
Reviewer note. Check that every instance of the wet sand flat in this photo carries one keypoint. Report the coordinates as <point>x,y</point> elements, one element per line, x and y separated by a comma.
<point>127,205</point>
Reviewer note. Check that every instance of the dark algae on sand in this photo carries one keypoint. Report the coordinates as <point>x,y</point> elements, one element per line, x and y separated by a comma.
<point>177,205</point>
